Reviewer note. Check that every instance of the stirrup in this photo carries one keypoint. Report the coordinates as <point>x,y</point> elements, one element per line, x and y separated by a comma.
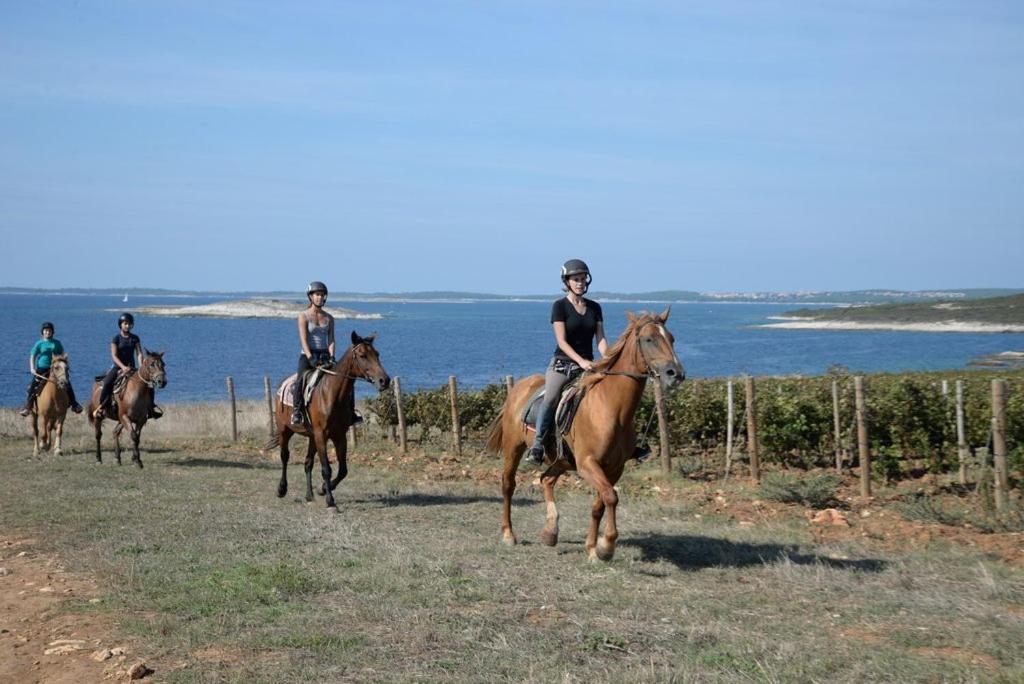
<point>296,417</point>
<point>641,453</point>
<point>156,413</point>
<point>356,418</point>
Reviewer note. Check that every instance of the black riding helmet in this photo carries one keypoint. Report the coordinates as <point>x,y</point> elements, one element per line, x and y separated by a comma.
<point>316,286</point>
<point>575,267</point>
<point>47,325</point>
<point>126,317</point>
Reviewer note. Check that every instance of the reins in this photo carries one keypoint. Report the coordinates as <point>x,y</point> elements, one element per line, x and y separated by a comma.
<point>639,377</point>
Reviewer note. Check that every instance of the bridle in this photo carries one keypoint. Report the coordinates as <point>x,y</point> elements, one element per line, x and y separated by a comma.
<point>150,382</point>
<point>639,377</point>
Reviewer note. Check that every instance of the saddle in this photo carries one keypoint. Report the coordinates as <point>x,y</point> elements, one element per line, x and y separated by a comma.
<point>565,412</point>
<point>118,389</point>
<point>310,380</point>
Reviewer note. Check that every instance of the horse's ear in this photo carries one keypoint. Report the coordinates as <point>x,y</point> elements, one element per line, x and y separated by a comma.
<point>356,339</point>
<point>630,316</point>
<point>146,352</point>
<point>663,316</point>
<point>161,353</point>
<point>370,338</point>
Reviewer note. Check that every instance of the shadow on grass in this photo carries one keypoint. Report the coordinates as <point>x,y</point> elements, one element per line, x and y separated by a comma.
<point>688,552</point>
<point>418,499</point>
<point>215,463</point>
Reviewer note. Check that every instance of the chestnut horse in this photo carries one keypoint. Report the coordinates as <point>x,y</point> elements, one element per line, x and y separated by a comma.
<point>134,403</point>
<point>330,409</point>
<point>51,405</point>
<point>603,433</point>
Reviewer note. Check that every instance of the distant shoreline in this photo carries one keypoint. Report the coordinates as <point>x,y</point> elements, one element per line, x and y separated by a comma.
<point>254,308</point>
<point>953,326</point>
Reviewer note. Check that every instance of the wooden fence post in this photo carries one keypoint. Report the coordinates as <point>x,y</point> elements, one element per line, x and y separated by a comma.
<point>1002,484</point>
<point>403,441</point>
<point>456,428</point>
<point>961,441</point>
<point>508,383</point>
<point>729,427</point>
<point>862,437</point>
<point>755,458</point>
<point>234,413</point>
<point>836,426</point>
<point>271,421</point>
<point>659,404</point>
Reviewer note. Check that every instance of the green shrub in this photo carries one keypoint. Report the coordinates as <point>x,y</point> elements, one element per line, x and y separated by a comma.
<point>818,491</point>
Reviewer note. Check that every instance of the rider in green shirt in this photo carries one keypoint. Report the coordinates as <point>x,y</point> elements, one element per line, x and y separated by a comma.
<point>39,360</point>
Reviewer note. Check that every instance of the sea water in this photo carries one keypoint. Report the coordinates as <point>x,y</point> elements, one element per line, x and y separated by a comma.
<point>479,342</point>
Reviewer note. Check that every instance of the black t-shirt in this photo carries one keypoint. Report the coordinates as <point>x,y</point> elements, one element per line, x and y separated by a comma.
<point>579,330</point>
<point>126,348</point>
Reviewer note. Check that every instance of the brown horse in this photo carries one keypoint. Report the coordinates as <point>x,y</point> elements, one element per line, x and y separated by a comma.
<point>135,401</point>
<point>330,409</point>
<point>52,406</point>
<point>603,433</point>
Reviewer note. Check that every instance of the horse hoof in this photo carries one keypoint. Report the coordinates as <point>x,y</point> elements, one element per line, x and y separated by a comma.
<point>332,508</point>
<point>509,539</point>
<point>282,489</point>
<point>138,463</point>
<point>549,538</point>
<point>605,551</point>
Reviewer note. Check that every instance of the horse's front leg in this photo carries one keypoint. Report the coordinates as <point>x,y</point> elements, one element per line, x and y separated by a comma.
<point>549,535</point>
<point>98,429</point>
<point>308,467</point>
<point>117,442</point>
<point>341,450</point>
<point>320,439</point>
<point>59,428</point>
<point>136,433</point>
<point>35,433</point>
<point>606,500</point>
<point>283,437</point>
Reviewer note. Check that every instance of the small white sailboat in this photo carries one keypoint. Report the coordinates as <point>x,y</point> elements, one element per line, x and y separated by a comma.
<point>125,298</point>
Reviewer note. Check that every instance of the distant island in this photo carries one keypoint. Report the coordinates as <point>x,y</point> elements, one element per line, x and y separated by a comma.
<point>991,314</point>
<point>249,308</point>
<point>658,296</point>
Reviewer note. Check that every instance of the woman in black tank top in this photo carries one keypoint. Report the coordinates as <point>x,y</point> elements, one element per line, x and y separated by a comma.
<point>577,322</point>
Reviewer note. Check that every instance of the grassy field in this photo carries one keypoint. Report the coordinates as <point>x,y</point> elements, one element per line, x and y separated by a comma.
<point>218,580</point>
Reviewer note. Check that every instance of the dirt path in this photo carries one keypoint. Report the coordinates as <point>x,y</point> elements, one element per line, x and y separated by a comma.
<point>42,638</point>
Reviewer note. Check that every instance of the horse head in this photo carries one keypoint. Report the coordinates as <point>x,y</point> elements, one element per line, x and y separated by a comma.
<point>59,370</point>
<point>366,362</point>
<point>152,371</point>
<point>657,355</point>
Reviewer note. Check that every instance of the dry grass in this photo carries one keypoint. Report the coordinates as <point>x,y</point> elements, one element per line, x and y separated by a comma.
<point>221,581</point>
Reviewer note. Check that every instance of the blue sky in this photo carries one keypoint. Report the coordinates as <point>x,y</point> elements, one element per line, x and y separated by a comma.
<point>390,146</point>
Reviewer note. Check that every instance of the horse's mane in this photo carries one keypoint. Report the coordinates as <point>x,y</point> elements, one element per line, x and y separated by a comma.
<point>615,351</point>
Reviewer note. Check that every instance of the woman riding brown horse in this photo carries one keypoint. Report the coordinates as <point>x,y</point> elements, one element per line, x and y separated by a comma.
<point>602,436</point>
<point>331,410</point>
<point>135,403</point>
<point>51,405</point>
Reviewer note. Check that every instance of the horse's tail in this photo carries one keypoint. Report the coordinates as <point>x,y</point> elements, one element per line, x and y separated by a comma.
<point>496,433</point>
<point>272,443</point>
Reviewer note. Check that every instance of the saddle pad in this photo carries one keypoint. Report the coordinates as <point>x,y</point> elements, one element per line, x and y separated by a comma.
<point>564,412</point>
<point>286,391</point>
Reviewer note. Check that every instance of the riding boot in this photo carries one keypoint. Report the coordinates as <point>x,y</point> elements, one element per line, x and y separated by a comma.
<point>30,395</point>
<point>75,406</point>
<point>297,401</point>
<point>536,453</point>
<point>641,452</point>
<point>29,400</point>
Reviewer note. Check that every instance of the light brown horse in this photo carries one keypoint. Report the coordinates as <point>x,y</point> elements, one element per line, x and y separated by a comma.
<point>51,405</point>
<point>330,409</point>
<point>135,401</point>
<point>603,433</point>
